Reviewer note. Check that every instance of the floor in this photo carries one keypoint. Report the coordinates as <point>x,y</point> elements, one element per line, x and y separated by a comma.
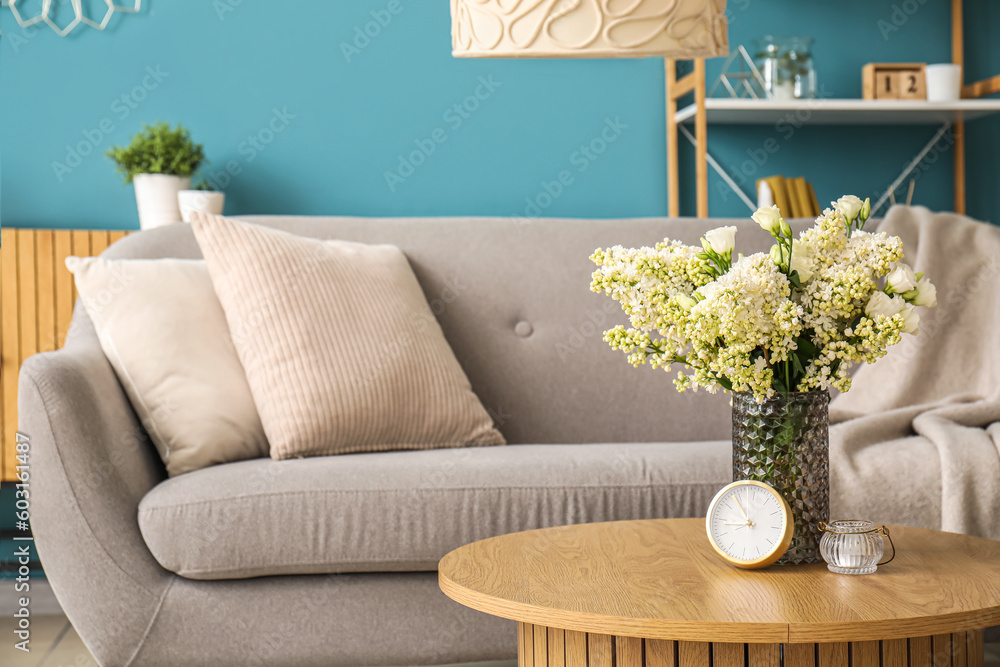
<point>54,643</point>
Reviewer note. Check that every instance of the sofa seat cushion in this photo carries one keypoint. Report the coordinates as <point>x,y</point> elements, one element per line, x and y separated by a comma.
<point>403,511</point>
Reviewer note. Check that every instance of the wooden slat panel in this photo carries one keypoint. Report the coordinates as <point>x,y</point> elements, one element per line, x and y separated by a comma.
<point>63,244</point>
<point>557,647</point>
<point>801,655</point>
<point>81,248</point>
<point>974,648</point>
<point>833,655</point>
<point>894,653</point>
<point>693,654</point>
<point>576,649</point>
<point>27,340</point>
<point>27,288</point>
<point>45,275</point>
<point>728,655</point>
<point>36,301</point>
<point>528,655</point>
<point>660,653</point>
<point>117,236</point>
<point>921,652</point>
<point>520,644</point>
<point>599,651</point>
<point>864,654</point>
<point>628,652</point>
<point>99,241</point>
<point>541,646</point>
<point>9,335</point>
<point>764,655</point>
<point>958,651</point>
<point>941,650</point>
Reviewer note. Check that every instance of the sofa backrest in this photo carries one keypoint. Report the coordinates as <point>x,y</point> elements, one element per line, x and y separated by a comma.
<point>514,302</point>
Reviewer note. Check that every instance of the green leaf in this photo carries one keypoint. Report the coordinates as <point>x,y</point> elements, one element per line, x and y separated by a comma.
<point>797,364</point>
<point>807,348</point>
<point>726,384</point>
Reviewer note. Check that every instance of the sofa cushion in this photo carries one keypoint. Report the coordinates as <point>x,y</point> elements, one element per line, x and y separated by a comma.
<point>341,349</point>
<point>164,332</point>
<point>403,511</point>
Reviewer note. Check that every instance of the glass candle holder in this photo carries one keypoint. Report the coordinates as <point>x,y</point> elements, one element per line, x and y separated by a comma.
<point>853,546</point>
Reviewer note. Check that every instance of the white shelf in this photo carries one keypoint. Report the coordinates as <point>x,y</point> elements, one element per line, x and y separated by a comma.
<point>840,112</point>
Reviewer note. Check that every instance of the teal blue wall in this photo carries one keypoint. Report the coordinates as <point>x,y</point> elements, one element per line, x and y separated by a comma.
<point>227,73</point>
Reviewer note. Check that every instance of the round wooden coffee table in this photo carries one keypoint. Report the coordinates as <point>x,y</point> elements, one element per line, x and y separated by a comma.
<point>654,593</point>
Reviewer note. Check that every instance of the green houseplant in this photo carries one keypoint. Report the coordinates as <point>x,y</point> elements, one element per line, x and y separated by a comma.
<point>159,161</point>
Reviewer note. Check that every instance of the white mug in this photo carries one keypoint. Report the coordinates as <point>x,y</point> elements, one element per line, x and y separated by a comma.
<point>944,83</point>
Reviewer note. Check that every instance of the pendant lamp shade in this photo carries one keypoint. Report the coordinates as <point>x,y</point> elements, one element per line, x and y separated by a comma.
<point>681,29</point>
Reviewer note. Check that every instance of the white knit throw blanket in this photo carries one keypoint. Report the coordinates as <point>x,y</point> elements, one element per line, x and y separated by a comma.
<point>929,412</point>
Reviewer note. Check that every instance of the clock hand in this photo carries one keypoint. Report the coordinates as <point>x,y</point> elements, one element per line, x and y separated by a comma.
<point>741,508</point>
<point>741,523</point>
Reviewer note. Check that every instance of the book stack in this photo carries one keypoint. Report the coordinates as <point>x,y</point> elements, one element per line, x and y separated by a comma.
<point>794,197</point>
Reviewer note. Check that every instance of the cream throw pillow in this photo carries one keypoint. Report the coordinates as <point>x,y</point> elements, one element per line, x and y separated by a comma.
<point>341,351</point>
<point>164,332</point>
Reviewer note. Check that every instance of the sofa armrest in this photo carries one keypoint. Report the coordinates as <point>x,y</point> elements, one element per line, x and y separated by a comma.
<point>90,463</point>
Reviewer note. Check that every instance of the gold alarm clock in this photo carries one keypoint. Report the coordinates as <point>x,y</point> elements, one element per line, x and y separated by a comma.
<point>750,524</point>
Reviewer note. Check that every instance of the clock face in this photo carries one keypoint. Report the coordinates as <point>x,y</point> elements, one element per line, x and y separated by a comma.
<point>749,524</point>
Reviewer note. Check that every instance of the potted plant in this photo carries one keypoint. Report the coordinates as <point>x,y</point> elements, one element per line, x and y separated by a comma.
<point>776,329</point>
<point>159,161</point>
<point>202,198</point>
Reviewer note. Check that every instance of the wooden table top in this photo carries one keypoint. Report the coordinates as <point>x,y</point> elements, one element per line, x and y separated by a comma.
<point>660,579</point>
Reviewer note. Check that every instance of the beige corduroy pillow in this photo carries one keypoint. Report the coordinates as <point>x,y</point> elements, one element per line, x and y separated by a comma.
<point>341,351</point>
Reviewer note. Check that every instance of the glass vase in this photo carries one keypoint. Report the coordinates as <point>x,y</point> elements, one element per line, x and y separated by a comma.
<point>784,442</point>
<point>786,65</point>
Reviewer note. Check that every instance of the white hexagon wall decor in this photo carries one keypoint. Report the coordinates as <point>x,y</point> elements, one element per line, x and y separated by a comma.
<point>80,16</point>
<point>107,17</point>
<point>49,21</point>
<point>21,21</point>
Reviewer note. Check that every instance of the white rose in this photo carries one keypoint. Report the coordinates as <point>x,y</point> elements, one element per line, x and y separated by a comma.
<point>769,218</point>
<point>902,279</point>
<point>926,293</point>
<point>723,239</point>
<point>849,206</point>
<point>802,261</point>
<point>911,320</point>
<point>881,304</point>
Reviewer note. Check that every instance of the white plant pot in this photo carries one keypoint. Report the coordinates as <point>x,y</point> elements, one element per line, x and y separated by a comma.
<point>204,201</point>
<point>156,198</point>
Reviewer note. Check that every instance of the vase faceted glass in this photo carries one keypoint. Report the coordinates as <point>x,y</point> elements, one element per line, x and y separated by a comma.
<point>784,442</point>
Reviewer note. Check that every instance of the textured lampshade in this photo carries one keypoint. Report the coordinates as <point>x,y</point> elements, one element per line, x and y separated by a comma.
<point>680,29</point>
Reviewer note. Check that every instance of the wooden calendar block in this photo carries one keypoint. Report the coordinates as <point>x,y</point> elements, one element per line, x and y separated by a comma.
<point>893,81</point>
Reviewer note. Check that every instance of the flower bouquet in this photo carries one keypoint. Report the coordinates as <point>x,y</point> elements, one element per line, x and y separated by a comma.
<point>777,329</point>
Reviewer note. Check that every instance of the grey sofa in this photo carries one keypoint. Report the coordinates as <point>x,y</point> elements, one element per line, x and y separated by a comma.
<point>140,562</point>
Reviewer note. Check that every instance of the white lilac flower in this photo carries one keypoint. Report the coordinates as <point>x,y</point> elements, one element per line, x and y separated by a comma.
<point>739,329</point>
